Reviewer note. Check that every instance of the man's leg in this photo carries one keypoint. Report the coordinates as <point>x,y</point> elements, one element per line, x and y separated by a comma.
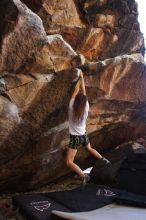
<point>70,162</point>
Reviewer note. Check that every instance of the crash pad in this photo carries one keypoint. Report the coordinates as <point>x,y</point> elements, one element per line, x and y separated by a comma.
<point>132,174</point>
<point>109,212</point>
<point>39,206</point>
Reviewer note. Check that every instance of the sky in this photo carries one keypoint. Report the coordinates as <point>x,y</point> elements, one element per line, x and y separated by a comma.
<point>142,16</point>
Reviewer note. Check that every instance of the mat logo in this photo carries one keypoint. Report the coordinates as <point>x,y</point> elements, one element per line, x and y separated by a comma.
<point>105,192</point>
<point>41,205</point>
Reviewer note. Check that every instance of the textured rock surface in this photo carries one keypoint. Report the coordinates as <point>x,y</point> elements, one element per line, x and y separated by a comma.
<point>42,43</point>
<point>97,29</point>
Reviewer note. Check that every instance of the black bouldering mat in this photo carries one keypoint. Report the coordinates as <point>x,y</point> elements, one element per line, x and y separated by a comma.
<point>92,197</point>
<point>132,174</point>
<point>40,206</point>
<point>37,206</point>
<point>131,199</point>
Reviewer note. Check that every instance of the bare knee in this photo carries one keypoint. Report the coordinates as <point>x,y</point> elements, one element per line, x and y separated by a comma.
<point>89,147</point>
<point>69,162</point>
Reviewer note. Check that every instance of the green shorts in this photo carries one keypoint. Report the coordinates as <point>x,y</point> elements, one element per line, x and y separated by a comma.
<point>77,140</point>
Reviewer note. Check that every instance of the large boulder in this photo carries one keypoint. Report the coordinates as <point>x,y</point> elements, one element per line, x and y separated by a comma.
<point>101,173</point>
<point>43,44</point>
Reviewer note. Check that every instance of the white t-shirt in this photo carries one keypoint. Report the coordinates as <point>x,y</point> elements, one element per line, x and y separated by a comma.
<point>77,128</point>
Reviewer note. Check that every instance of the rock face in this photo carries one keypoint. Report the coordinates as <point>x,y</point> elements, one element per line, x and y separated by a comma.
<point>42,43</point>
